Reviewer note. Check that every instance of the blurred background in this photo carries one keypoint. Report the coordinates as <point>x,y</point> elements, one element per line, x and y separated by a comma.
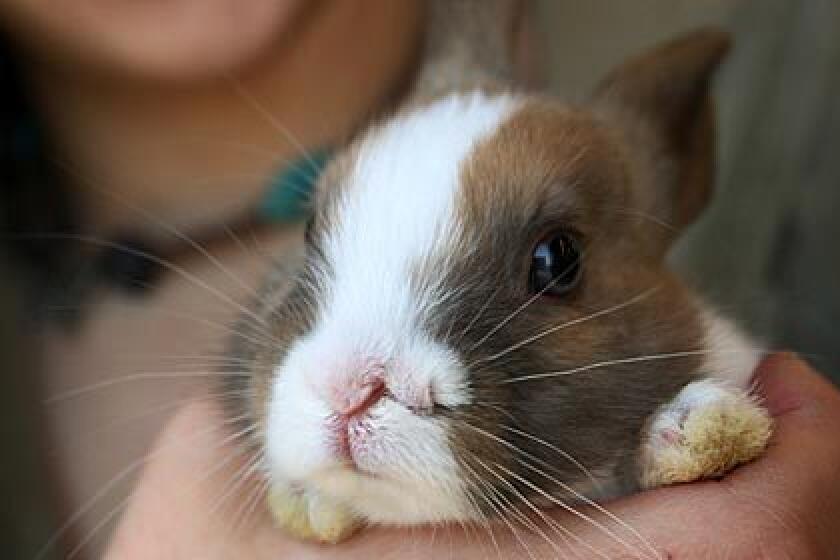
<point>767,251</point>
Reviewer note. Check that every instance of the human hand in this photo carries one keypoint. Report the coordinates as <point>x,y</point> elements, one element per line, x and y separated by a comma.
<point>785,505</point>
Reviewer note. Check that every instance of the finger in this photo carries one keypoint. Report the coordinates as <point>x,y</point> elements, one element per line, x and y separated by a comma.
<point>175,510</point>
<point>169,516</point>
<point>804,450</point>
<point>798,479</point>
<point>788,384</point>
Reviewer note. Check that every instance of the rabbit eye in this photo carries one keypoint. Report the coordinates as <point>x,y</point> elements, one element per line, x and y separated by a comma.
<point>555,265</point>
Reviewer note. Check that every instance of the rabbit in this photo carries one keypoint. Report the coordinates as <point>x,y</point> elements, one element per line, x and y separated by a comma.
<point>482,312</point>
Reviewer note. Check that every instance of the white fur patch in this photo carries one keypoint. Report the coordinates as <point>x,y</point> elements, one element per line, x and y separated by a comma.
<point>693,396</point>
<point>397,209</point>
<point>733,355</point>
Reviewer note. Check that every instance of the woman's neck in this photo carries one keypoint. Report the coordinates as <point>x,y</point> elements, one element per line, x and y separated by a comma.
<point>193,155</point>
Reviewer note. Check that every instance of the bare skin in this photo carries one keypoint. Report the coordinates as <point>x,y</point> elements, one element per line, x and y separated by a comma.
<point>171,108</point>
<point>195,146</point>
<point>785,505</point>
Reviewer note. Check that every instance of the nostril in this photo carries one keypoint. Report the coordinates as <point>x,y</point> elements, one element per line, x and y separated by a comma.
<point>362,398</point>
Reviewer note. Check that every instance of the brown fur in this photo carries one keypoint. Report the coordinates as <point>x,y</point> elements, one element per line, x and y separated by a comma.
<point>552,167</point>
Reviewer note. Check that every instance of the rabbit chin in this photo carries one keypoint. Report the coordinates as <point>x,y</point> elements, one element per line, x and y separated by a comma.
<point>394,502</point>
<point>400,471</point>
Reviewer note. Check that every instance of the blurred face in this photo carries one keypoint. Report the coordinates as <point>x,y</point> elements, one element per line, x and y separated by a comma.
<point>167,39</point>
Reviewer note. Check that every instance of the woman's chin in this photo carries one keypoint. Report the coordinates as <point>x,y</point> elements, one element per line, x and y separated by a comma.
<point>179,40</point>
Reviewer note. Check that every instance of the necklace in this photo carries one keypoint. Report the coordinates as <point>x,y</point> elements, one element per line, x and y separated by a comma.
<point>43,230</point>
<point>134,266</point>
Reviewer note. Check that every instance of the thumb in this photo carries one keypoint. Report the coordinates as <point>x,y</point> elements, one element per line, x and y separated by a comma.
<point>792,390</point>
<point>806,410</point>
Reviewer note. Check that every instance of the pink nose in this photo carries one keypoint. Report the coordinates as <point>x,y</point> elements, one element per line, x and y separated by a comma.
<point>355,400</point>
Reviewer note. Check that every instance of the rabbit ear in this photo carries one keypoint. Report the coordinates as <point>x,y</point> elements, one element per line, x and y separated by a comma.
<point>661,100</point>
<point>468,45</point>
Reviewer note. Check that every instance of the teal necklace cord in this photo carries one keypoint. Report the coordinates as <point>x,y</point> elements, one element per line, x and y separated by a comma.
<point>289,195</point>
